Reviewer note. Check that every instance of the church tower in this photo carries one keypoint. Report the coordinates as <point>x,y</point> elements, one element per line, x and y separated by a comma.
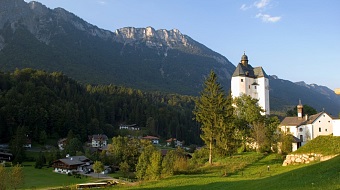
<point>251,81</point>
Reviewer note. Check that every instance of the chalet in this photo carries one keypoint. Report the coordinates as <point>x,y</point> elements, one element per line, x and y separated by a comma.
<point>175,141</point>
<point>133,127</point>
<point>154,140</point>
<point>308,127</point>
<point>7,157</point>
<point>28,143</point>
<point>72,164</point>
<point>99,140</point>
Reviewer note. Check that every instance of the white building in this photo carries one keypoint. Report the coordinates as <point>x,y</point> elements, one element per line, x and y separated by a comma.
<point>308,127</point>
<point>336,127</point>
<point>251,81</point>
<point>99,140</point>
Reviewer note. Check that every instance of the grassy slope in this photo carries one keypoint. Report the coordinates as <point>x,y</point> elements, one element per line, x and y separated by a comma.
<point>326,145</point>
<point>322,175</point>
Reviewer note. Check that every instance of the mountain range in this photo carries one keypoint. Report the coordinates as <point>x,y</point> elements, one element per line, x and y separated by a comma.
<point>34,36</point>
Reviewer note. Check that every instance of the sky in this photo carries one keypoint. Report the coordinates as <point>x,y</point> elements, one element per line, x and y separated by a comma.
<point>296,40</point>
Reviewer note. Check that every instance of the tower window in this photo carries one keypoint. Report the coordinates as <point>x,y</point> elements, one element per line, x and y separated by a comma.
<point>319,129</point>
<point>300,129</point>
<point>255,87</point>
<point>241,80</point>
<point>249,86</point>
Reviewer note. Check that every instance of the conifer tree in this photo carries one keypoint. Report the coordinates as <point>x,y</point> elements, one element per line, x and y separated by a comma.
<point>210,111</point>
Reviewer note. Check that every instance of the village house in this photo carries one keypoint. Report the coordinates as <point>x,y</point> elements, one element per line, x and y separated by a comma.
<point>154,140</point>
<point>72,164</point>
<point>174,141</point>
<point>6,157</point>
<point>305,128</point>
<point>133,127</point>
<point>99,140</point>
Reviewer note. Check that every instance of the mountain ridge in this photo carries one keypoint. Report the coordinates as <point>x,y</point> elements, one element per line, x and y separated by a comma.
<point>141,58</point>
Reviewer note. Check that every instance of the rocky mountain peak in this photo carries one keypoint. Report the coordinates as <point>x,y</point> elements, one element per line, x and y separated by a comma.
<point>151,37</point>
<point>38,8</point>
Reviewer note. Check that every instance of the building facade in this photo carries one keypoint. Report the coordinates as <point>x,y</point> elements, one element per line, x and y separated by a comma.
<point>251,81</point>
<point>306,127</point>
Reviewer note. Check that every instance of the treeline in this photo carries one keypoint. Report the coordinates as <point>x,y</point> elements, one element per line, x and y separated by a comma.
<point>51,104</point>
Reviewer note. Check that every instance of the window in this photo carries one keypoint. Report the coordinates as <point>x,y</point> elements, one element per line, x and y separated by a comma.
<point>319,129</point>
<point>300,129</point>
<point>326,130</point>
<point>301,137</point>
<point>241,80</point>
<point>249,86</point>
<point>255,87</point>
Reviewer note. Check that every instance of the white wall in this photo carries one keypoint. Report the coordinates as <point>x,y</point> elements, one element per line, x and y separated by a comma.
<point>324,122</point>
<point>243,85</point>
<point>336,127</point>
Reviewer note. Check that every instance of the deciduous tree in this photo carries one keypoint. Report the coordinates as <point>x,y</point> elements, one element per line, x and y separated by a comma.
<point>98,167</point>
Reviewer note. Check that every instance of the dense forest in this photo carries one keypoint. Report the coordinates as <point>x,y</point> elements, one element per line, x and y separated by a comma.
<point>53,104</point>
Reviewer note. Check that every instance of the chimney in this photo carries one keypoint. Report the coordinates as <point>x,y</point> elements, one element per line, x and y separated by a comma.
<point>299,109</point>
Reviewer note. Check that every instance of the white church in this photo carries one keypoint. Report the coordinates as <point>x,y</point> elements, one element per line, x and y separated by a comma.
<point>251,81</point>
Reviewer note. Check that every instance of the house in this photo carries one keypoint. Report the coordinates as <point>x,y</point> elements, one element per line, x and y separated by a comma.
<point>154,140</point>
<point>99,140</point>
<point>28,143</point>
<point>306,127</point>
<point>62,143</point>
<point>252,81</point>
<point>7,157</point>
<point>175,141</point>
<point>72,164</point>
<point>133,127</point>
<point>336,127</point>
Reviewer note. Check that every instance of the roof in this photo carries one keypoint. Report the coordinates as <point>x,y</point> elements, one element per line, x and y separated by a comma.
<point>171,139</point>
<point>99,137</point>
<point>74,160</point>
<point>296,121</point>
<point>249,71</point>
<point>293,121</point>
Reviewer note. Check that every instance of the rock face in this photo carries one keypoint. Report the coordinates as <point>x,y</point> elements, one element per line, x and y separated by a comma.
<point>293,159</point>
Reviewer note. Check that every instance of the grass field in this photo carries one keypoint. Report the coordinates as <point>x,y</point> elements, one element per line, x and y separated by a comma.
<point>321,175</point>
<point>45,177</point>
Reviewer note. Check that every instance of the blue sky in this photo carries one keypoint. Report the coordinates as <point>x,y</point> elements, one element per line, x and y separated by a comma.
<point>297,40</point>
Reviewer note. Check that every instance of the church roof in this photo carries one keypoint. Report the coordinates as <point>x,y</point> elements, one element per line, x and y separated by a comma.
<point>249,71</point>
<point>296,121</point>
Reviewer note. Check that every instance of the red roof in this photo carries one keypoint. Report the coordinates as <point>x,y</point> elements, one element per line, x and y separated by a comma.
<point>171,139</point>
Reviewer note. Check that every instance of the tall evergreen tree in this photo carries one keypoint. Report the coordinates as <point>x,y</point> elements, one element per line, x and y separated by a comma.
<point>211,111</point>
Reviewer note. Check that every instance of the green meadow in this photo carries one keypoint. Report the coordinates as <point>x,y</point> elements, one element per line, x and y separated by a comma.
<point>320,175</point>
<point>248,170</point>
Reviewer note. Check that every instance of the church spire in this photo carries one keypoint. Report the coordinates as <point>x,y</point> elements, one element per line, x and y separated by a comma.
<point>244,59</point>
<point>299,109</point>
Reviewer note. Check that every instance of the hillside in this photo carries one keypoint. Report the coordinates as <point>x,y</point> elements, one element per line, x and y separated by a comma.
<point>34,36</point>
<point>322,175</point>
<point>54,104</point>
<point>325,145</point>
